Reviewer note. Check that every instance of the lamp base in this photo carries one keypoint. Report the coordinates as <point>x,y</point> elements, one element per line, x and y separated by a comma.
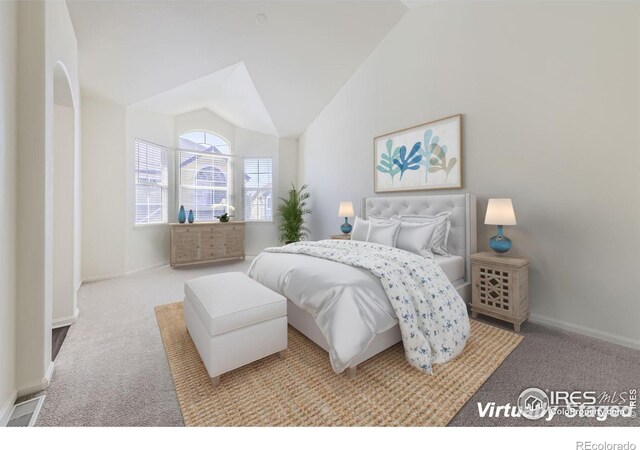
<point>500,243</point>
<point>346,226</point>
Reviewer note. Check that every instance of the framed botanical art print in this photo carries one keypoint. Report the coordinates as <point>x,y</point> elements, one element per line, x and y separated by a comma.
<point>423,157</point>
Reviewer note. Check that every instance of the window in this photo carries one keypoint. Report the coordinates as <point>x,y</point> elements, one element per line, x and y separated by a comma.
<point>151,183</point>
<point>203,141</point>
<point>258,187</point>
<point>204,175</point>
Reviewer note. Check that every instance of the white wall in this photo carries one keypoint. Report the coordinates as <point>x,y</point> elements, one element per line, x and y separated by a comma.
<point>112,246</point>
<point>33,269</point>
<point>288,169</point>
<point>8,233</point>
<point>63,86</point>
<point>550,97</point>
<point>147,245</point>
<point>64,284</point>
<point>103,188</point>
<point>45,40</point>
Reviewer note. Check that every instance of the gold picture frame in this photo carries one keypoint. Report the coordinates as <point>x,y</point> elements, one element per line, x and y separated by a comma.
<point>423,157</point>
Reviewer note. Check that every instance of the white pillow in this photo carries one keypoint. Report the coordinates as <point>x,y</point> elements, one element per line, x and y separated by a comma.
<point>383,233</point>
<point>416,238</point>
<point>360,230</point>
<point>441,234</point>
<point>380,219</point>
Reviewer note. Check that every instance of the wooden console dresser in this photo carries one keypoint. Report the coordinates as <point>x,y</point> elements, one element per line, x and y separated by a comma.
<point>202,242</point>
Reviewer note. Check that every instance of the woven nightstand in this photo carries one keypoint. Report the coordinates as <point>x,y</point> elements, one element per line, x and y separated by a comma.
<point>343,237</point>
<point>500,288</point>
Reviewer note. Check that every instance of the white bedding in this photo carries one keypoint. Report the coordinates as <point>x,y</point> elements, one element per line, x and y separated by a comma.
<point>452,266</point>
<point>351,306</point>
<point>333,294</point>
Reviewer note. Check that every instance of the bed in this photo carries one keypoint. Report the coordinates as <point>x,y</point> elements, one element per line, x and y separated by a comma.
<point>274,270</point>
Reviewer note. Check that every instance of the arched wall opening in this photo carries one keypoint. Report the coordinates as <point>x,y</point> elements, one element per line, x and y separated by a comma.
<point>64,300</point>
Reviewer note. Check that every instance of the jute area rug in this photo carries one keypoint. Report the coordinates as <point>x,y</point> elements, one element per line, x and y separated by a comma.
<point>303,390</point>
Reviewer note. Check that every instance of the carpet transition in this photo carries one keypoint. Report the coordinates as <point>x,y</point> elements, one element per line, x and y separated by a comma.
<point>303,390</point>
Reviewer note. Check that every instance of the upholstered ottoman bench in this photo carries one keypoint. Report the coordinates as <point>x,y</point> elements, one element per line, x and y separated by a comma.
<point>234,320</point>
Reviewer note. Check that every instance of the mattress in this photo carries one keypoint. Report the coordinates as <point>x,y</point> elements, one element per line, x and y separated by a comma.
<point>452,266</point>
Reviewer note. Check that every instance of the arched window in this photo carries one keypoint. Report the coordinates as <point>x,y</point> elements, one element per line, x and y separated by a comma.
<point>204,141</point>
<point>205,174</point>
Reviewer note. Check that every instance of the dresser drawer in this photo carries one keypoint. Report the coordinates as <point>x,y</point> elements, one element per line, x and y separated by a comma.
<point>210,237</point>
<point>204,242</point>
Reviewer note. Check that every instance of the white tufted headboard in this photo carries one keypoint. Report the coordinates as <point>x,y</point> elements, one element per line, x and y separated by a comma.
<point>463,235</point>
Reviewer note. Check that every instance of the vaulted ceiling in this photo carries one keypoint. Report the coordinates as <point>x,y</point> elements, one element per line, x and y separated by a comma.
<point>274,77</point>
<point>230,93</point>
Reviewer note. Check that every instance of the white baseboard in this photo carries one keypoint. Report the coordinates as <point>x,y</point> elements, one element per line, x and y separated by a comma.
<point>131,272</point>
<point>118,275</point>
<point>66,321</point>
<point>603,336</point>
<point>7,407</point>
<point>152,266</point>
<point>102,277</point>
<point>38,386</point>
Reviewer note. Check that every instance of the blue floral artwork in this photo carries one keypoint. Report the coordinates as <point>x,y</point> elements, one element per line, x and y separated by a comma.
<point>411,162</point>
<point>386,164</point>
<point>434,161</point>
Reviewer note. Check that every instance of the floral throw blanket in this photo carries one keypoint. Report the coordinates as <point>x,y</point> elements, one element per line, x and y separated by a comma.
<point>432,317</point>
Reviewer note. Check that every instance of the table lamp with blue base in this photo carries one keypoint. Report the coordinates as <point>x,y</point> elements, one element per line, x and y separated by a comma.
<point>346,211</point>
<point>500,212</point>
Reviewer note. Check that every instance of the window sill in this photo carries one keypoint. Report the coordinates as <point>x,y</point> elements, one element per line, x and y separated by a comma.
<point>258,221</point>
<point>147,226</point>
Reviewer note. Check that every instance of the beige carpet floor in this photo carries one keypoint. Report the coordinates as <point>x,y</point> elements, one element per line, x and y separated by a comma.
<point>303,390</point>
<point>112,369</point>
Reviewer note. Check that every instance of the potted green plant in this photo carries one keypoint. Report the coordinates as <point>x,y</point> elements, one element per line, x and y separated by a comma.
<point>224,218</point>
<point>292,211</point>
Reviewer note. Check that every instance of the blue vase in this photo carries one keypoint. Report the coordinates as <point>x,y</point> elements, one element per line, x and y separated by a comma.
<point>182,217</point>
<point>190,216</point>
<point>346,226</point>
<point>500,243</point>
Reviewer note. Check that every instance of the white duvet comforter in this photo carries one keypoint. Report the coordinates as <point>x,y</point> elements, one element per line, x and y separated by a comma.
<point>356,290</point>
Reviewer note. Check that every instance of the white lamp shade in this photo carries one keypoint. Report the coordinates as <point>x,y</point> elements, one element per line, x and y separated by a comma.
<point>346,210</point>
<point>500,212</point>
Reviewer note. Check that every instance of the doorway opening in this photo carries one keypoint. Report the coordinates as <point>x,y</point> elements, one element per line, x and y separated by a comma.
<point>65,210</point>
